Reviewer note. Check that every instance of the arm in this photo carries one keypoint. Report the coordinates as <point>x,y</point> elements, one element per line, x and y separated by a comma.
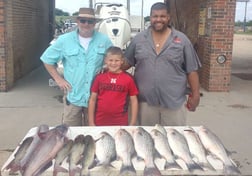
<point>134,110</point>
<point>194,98</point>
<point>125,65</point>
<point>62,83</point>
<point>91,108</point>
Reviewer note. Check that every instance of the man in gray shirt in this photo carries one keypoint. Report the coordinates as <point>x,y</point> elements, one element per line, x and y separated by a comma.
<point>165,63</point>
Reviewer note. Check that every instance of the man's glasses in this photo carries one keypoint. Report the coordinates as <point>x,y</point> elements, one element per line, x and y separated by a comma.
<point>83,21</point>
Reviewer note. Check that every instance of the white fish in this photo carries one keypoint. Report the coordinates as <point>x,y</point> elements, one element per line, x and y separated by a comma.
<point>105,150</point>
<point>163,148</point>
<point>180,148</point>
<point>161,129</point>
<point>125,151</point>
<point>196,148</point>
<point>145,149</point>
<point>214,146</point>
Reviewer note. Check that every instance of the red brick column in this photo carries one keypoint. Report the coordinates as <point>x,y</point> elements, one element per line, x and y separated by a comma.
<point>209,24</point>
<point>3,79</point>
<point>218,40</point>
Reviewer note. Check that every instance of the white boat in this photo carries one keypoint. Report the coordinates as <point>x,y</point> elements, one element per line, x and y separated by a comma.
<point>115,22</point>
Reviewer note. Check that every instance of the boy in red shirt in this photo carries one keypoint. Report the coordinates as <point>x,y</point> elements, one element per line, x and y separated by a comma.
<point>111,93</point>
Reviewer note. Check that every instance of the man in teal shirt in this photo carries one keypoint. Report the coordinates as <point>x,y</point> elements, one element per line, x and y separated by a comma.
<point>81,52</point>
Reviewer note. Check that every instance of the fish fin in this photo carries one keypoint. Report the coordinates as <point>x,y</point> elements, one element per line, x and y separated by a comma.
<point>151,171</point>
<point>174,165</point>
<point>57,169</point>
<point>73,171</point>
<point>93,164</point>
<point>231,170</point>
<point>13,166</point>
<point>207,166</point>
<point>41,170</point>
<point>127,169</point>
<point>193,166</point>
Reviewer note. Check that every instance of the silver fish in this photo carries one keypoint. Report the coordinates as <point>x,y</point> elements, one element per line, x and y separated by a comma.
<point>196,148</point>
<point>161,129</point>
<point>214,146</point>
<point>37,138</point>
<point>180,148</point>
<point>105,150</point>
<point>76,154</point>
<point>88,155</point>
<point>125,151</point>
<point>144,146</point>
<point>46,150</point>
<point>163,148</point>
<point>14,165</point>
<point>61,155</point>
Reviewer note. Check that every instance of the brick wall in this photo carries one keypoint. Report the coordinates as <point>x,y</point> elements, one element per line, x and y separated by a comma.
<point>209,26</point>
<point>25,31</point>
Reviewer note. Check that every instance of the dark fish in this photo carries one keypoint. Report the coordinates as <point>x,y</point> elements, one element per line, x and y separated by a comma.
<point>37,138</point>
<point>88,155</point>
<point>14,165</point>
<point>46,150</point>
<point>76,154</point>
<point>60,156</point>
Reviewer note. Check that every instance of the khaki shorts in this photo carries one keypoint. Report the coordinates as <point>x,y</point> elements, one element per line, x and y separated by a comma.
<point>151,115</point>
<point>74,115</point>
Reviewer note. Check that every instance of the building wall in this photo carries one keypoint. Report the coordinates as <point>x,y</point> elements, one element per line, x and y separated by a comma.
<point>209,25</point>
<point>25,31</point>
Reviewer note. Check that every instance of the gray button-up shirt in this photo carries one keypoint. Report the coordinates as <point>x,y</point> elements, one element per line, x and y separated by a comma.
<point>162,78</point>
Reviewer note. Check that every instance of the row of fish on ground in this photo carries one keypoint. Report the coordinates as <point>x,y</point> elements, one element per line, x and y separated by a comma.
<point>49,148</point>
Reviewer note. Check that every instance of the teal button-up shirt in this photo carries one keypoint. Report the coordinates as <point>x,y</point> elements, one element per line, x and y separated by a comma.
<point>80,66</point>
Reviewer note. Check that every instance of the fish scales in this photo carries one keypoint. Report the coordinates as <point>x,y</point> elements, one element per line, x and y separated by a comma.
<point>144,146</point>
<point>196,148</point>
<point>163,148</point>
<point>125,151</point>
<point>180,148</point>
<point>46,151</point>
<point>214,146</point>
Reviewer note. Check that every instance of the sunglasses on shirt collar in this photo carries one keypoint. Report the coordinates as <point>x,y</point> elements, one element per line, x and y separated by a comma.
<point>89,21</point>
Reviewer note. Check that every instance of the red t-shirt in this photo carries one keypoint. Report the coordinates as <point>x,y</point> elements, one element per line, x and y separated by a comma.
<point>113,91</point>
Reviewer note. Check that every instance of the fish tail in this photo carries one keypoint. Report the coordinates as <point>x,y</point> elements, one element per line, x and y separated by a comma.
<point>72,172</point>
<point>127,169</point>
<point>194,166</point>
<point>151,171</point>
<point>57,169</point>
<point>13,166</point>
<point>172,165</point>
<point>231,169</point>
<point>85,172</point>
<point>207,166</point>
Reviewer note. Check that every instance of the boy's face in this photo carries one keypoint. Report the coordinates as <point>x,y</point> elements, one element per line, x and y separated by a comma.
<point>114,63</point>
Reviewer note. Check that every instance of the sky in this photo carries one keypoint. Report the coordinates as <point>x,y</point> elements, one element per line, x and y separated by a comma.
<point>135,7</point>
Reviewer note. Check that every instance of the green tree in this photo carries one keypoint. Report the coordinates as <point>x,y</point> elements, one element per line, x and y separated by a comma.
<point>59,12</point>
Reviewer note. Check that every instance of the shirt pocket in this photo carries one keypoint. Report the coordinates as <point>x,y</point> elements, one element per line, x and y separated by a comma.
<point>72,57</point>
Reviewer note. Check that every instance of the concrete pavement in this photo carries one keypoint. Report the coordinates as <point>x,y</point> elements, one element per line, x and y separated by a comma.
<point>32,102</point>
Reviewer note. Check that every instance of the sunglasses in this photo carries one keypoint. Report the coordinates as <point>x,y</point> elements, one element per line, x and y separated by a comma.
<point>83,21</point>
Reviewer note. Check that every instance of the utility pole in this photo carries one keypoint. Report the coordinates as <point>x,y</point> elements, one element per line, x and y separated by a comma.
<point>245,15</point>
